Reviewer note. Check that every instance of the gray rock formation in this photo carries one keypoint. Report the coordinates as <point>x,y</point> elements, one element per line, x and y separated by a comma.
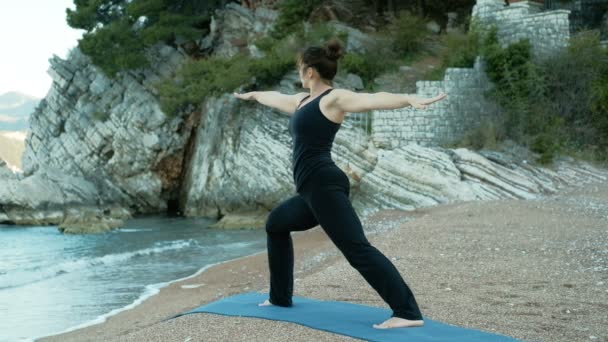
<point>99,145</point>
<point>233,29</point>
<point>413,176</point>
<point>52,197</point>
<point>100,150</point>
<point>111,133</point>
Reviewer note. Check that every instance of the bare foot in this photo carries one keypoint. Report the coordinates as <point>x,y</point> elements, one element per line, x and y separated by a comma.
<point>397,322</point>
<point>266,303</point>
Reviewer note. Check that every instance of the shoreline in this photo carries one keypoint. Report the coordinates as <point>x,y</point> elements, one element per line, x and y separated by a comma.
<point>521,268</point>
<point>150,291</point>
<point>303,238</point>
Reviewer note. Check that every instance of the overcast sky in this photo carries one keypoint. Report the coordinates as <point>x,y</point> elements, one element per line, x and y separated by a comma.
<point>31,31</point>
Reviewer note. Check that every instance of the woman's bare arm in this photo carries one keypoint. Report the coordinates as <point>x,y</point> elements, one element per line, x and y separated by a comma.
<point>349,101</point>
<point>283,102</point>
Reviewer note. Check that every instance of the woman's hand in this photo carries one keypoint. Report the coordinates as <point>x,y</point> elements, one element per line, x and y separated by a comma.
<point>245,96</point>
<point>423,103</point>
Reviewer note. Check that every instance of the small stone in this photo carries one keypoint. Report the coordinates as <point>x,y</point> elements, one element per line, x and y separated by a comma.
<point>354,81</point>
<point>150,140</point>
<point>433,27</point>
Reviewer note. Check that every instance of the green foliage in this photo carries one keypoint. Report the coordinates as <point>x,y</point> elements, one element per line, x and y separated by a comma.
<point>435,74</point>
<point>460,50</point>
<point>170,25</point>
<point>553,104</point>
<point>578,84</point>
<point>399,43</point>
<point>548,141</point>
<point>367,65</point>
<point>292,15</point>
<point>265,43</point>
<point>463,48</point>
<point>114,48</point>
<point>409,32</point>
<point>591,66</point>
<point>119,31</point>
<point>509,69</point>
<point>521,90</point>
<point>90,13</point>
<point>485,136</point>
<point>599,113</point>
<point>197,80</point>
<point>508,66</point>
<point>270,69</point>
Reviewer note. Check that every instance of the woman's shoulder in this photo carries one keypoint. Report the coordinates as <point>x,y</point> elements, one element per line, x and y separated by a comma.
<point>338,93</point>
<point>301,96</point>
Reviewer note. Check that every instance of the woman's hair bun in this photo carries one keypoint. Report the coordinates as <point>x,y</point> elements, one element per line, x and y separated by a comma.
<point>334,49</point>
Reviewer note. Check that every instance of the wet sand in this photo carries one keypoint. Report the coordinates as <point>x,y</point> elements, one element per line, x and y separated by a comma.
<point>536,270</point>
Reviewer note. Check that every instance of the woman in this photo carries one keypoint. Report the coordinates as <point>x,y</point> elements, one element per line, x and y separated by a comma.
<point>323,189</point>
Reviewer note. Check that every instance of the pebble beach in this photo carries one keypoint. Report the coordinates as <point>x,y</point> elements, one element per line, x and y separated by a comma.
<point>536,270</point>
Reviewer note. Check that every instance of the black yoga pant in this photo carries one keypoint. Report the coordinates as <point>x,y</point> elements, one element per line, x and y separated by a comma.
<point>324,199</point>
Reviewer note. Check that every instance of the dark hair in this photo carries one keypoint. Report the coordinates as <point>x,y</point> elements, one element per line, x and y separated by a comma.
<point>323,58</point>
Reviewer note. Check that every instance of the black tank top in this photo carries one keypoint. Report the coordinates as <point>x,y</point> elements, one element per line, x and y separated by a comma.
<point>313,135</point>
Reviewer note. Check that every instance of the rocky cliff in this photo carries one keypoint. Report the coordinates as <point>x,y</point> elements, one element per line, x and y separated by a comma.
<point>99,151</point>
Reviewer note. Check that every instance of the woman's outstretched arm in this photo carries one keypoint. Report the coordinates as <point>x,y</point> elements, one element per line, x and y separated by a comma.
<point>274,99</point>
<point>349,101</point>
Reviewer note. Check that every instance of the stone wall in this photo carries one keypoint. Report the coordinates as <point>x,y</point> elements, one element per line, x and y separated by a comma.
<point>442,122</point>
<point>548,31</point>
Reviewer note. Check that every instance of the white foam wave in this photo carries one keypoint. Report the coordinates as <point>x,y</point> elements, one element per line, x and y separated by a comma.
<point>27,276</point>
<point>236,245</point>
<point>131,230</point>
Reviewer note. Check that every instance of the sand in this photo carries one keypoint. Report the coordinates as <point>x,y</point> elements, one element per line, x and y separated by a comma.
<point>12,145</point>
<point>536,270</point>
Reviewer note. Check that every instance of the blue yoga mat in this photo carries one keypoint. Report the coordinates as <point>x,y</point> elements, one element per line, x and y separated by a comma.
<point>348,319</point>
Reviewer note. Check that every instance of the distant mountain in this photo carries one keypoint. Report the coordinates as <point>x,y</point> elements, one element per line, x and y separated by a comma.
<point>15,109</point>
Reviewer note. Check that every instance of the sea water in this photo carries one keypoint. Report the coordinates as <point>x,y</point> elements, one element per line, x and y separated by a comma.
<point>52,282</point>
